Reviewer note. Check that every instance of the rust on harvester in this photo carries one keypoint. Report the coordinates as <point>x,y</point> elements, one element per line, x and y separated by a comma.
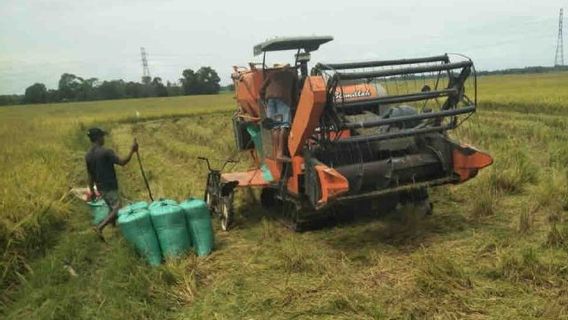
<point>360,131</point>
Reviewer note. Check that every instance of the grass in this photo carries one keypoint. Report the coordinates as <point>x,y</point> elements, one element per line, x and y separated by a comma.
<point>495,247</point>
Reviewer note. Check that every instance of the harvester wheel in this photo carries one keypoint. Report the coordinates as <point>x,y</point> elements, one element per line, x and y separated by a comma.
<point>226,212</point>
<point>300,219</point>
<point>268,198</point>
<point>289,215</point>
<point>210,192</point>
<point>209,201</point>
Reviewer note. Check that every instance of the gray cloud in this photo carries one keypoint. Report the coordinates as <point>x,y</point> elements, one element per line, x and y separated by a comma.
<point>40,40</point>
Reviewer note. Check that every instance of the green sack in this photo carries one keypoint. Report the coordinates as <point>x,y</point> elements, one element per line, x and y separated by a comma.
<point>99,210</point>
<point>169,222</point>
<point>199,225</point>
<point>254,132</point>
<point>134,206</point>
<point>136,227</point>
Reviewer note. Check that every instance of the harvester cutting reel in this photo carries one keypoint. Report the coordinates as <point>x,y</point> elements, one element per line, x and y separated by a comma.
<point>219,194</point>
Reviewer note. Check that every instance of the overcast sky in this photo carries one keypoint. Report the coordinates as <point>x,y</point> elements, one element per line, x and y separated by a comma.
<point>41,39</point>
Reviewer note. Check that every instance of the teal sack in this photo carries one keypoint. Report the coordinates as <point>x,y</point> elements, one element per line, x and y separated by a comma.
<point>133,207</point>
<point>169,222</point>
<point>254,132</point>
<point>99,210</point>
<point>199,224</point>
<point>136,227</point>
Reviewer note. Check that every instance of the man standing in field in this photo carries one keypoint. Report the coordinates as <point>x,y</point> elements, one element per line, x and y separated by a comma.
<point>100,167</point>
<point>280,91</point>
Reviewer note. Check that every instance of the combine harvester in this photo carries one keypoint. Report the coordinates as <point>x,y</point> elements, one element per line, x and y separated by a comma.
<point>363,134</point>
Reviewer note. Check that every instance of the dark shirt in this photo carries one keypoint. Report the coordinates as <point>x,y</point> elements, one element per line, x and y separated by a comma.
<point>100,165</point>
<point>281,84</point>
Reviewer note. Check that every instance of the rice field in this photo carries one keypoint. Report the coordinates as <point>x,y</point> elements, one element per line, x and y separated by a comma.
<point>495,247</point>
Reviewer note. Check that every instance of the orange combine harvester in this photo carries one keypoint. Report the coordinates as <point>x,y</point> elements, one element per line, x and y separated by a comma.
<point>363,134</point>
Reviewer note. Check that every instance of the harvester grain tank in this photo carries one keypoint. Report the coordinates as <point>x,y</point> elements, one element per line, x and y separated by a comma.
<point>372,131</point>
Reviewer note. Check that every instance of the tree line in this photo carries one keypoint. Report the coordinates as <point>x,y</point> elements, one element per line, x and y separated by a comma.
<point>75,88</point>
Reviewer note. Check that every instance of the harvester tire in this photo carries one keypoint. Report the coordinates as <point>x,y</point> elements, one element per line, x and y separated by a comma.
<point>305,219</point>
<point>268,198</point>
<point>209,196</point>
<point>209,201</point>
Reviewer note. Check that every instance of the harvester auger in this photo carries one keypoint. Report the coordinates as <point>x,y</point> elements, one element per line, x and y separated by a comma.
<point>374,131</point>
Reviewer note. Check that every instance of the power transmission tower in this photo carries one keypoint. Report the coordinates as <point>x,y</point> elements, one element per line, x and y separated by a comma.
<point>559,57</point>
<point>146,78</point>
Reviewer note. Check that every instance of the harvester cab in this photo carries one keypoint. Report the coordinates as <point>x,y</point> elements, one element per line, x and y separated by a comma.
<point>361,132</point>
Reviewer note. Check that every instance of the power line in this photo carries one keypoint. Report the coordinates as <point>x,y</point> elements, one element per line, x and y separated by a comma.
<point>559,56</point>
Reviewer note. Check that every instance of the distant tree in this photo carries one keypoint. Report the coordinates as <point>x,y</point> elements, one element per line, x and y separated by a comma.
<point>534,69</point>
<point>10,99</point>
<point>114,89</point>
<point>208,80</point>
<point>53,95</point>
<point>189,82</point>
<point>159,88</point>
<point>204,81</point>
<point>87,89</point>
<point>147,90</point>
<point>36,93</point>
<point>69,86</point>
<point>74,88</point>
<point>133,89</point>
<point>174,89</point>
<point>146,80</point>
<point>229,88</point>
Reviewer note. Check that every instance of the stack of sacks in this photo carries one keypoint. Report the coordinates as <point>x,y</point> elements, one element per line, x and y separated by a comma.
<point>167,229</point>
